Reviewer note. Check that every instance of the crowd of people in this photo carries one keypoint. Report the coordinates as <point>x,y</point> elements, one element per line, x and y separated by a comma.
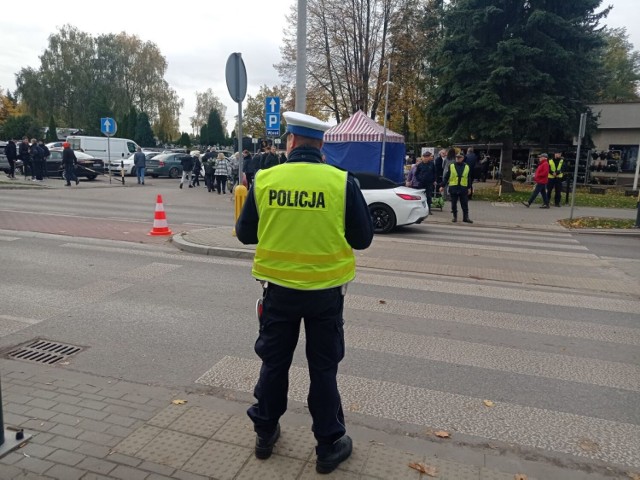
<point>34,155</point>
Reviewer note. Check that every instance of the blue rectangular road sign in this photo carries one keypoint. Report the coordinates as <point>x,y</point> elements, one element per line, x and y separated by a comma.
<point>272,116</point>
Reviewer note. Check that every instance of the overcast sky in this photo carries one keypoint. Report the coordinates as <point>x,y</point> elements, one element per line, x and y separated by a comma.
<point>195,43</point>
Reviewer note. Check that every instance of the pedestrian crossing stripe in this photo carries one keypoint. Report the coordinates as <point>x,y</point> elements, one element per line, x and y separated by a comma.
<point>507,422</point>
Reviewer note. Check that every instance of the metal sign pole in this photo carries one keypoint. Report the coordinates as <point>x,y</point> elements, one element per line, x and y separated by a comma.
<point>583,124</point>
<point>109,158</point>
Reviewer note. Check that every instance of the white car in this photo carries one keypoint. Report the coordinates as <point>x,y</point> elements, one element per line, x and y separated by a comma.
<point>129,167</point>
<point>391,205</point>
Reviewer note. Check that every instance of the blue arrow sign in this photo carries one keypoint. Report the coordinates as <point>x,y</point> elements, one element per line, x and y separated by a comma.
<point>108,126</point>
<point>272,116</point>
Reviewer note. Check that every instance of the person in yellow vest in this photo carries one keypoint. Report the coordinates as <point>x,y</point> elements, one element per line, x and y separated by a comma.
<point>306,217</point>
<point>458,179</point>
<point>556,177</point>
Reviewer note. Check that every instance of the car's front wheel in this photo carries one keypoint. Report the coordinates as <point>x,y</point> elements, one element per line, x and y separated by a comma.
<point>384,219</point>
<point>174,173</point>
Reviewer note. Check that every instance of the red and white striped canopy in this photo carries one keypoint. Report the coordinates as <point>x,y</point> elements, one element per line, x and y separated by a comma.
<point>360,128</point>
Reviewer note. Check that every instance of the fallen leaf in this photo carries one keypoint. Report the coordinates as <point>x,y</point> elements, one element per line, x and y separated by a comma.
<point>442,434</point>
<point>489,403</point>
<point>178,402</point>
<point>588,445</point>
<point>383,302</point>
<point>520,476</point>
<point>354,407</point>
<point>633,475</point>
<point>429,470</point>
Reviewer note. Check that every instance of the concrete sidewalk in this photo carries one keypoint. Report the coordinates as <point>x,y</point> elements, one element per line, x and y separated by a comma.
<point>90,427</point>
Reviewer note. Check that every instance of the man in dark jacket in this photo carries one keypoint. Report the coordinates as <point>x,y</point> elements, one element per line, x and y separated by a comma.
<point>140,162</point>
<point>426,175</point>
<point>247,167</point>
<point>46,154</point>
<point>187,167</point>
<point>69,163</point>
<point>269,158</point>
<point>11,152</point>
<point>459,180</point>
<point>37,159</point>
<point>471,159</point>
<point>25,156</point>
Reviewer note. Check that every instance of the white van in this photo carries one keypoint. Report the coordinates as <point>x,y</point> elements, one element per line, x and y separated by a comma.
<point>119,148</point>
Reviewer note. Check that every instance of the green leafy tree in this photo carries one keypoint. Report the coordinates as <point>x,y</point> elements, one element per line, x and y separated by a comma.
<point>621,68</point>
<point>184,140</point>
<point>20,125</point>
<point>515,70</point>
<point>144,134</point>
<point>206,102</point>
<point>52,135</point>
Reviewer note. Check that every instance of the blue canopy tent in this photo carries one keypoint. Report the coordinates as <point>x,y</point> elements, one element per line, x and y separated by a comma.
<point>356,145</point>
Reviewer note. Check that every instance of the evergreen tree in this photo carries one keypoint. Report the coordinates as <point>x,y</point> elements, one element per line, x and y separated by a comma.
<point>131,125</point>
<point>204,135</point>
<point>52,135</point>
<point>144,134</point>
<point>515,70</point>
<point>216,133</point>
<point>184,140</point>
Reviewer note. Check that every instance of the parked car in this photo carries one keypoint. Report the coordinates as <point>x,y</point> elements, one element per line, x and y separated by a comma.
<point>129,167</point>
<point>55,145</point>
<point>391,205</point>
<point>165,165</point>
<point>87,166</point>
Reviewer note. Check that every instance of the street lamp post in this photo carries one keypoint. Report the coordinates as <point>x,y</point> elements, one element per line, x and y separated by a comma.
<point>301,58</point>
<point>386,106</point>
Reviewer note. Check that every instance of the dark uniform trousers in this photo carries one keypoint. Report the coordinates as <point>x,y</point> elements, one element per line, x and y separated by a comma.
<point>283,310</point>
<point>557,184</point>
<point>459,193</point>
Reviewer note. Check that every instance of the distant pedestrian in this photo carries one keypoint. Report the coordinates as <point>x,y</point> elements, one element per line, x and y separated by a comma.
<point>37,159</point>
<point>247,167</point>
<point>221,173</point>
<point>25,156</point>
<point>69,162</point>
<point>426,175</point>
<point>459,180</point>
<point>11,152</point>
<point>541,177</point>
<point>197,167</point>
<point>234,166</point>
<point>412,181</point>
<point>140,162</point>
<point>269,158</point>
<point>471,159</point>
<point>187,167</point>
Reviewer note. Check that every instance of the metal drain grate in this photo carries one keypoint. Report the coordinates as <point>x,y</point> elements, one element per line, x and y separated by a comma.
<point>44,351</point>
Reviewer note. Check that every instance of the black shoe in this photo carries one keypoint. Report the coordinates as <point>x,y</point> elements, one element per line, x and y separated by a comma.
<point>467,220</point>
<point>180,185</point>
<point>190,186</point>
<point>526,204</point>
<point>67,184</point>
<point>77,181</point>
<point>544,206</point>
<point>264,446</point>
<point>454,219</point>
<point>338,452</point>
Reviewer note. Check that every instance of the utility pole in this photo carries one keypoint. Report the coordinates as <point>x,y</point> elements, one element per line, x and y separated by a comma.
<point>301,57</point>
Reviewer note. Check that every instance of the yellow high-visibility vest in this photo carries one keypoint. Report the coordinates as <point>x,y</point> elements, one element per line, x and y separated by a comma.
<point>301,243</point>
<point>555,172</point>
<point>454,181</point>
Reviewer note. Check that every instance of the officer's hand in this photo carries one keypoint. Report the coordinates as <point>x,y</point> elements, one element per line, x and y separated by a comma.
<point>441,189</point>
<point>469,191</point>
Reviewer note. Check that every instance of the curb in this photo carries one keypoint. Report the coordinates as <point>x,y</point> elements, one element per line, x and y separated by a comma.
<point>182,244</point>
<point>631,232</point>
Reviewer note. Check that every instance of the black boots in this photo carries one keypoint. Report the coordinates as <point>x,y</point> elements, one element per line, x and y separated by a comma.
<point>264,446</point>
<point>329,457</point>
<point>467,220</point>
<point>455,218</point>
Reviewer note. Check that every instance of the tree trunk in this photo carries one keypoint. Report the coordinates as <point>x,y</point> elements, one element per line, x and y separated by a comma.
<point>507,165</point>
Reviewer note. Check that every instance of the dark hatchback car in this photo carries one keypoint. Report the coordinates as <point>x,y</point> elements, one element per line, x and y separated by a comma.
<point>165,165</point>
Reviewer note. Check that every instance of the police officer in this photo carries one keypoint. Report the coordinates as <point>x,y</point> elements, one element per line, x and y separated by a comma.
<point>458,178</point>
<point>556,177</point>
<point>305,276</point>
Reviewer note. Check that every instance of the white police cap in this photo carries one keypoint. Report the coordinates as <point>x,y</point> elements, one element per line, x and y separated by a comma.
<point>305,125</point>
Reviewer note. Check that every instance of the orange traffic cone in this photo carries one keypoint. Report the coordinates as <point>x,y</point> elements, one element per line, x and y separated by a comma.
<point>160,225</point>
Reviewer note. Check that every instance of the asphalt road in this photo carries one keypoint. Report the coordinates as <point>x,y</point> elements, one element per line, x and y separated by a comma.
<point>558,356</point>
